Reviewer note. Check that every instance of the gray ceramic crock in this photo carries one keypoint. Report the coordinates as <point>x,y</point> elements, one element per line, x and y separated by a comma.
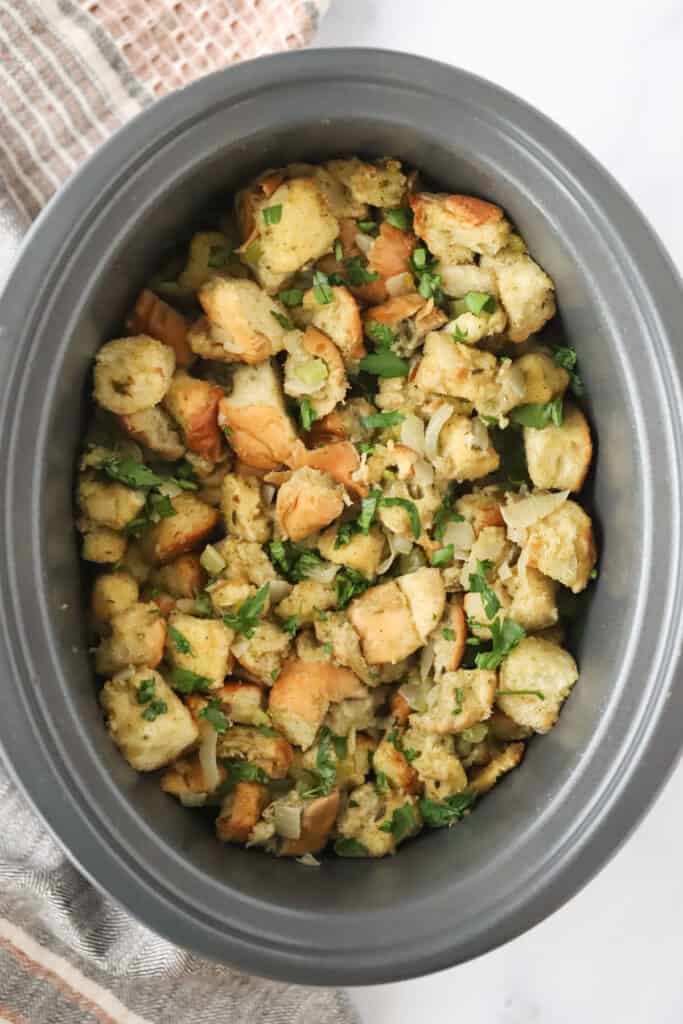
<point>547,828</point>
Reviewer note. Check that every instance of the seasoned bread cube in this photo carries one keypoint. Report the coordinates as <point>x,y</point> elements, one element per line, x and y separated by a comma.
<point>137,638</point>
<point>316,825</point>
<point>155,318</point>
<point>109,504</point>
<point>132,374</point>
<point>339,320</point>
<point>340,459</point>
<point>200,645</point>
<point>242,508</point>
<point>484,779</point>
<point>146,742</point>
<point>245,560</point>
<point>540,666</point>
<point>363,552</point>
<point>243,702</point>
<point>182,578</point>
<point>307,502</point>
<point>112,593</point>
<point>381,183</point>
<point>383,620</point>
<point>465,451</point>
<point>193,404</point>
<point>273,754</point>
<point>558,458</point>
<point>336,629</point>
<point>155,429</point>
<point>533,603</point>
<point>561,546</point>
<point>525,290</point>
<point>426,597</point>
<point>389,760</point>
<point>481,509</point>
<point>259,429</point>
<point>458,701</point>
<point>471,329</point>
<point>192,523</point>
<point>366,812</point>
<point>262,654</point>
<point>448,368</point>
<point>299,701</point>
<point>198,269</point>
<point>457,279</point>
<point>455,226</point>
<point>449,638</point>
<point>357,713</point>
<point>241,322</point>
<point>315,353</point>
<point>186,780</point>
<point>437,766</point>
<point>134,562</point>
<point>306,601</point>
<point>240,811</point>
<point>102,545</point>
<point>476,614</point>
<point>543,378</point>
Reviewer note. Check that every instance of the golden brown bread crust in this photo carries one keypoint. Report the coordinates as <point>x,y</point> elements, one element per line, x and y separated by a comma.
<point>152,316</point>
<point>244,810</point>
<point>260,434</point>
<point>193,404</point>
<point>316,825</point>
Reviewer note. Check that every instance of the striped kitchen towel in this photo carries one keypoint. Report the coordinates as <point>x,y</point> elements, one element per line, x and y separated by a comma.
<point>71,71</point>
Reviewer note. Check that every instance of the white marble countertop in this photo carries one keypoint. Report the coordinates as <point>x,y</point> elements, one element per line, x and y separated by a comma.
<point>611,73</point>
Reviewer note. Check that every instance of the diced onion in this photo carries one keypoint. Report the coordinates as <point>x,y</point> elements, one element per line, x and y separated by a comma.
<point>208,740</point>
<point>351,740</point>
<point>480,435</point>
<point>476,733</point>
<point>434,428</point>
<point>426,660</point>
<point>324,573</point>
<point>267,493</point>
<point>287,821</point>
<point>364,243</point>
<point>186,605</point>
<point>400,544</point>
<point>400,284</point>
<point>414,560</point>
<point>423,473</point>
<point>512,378</point>
<point>211,560</point>
<point>519,515</point>
<point>193,799</point>
<point>416,694</point>
<point>309,860</point>
<point>279,589</point>
<point>386,563</point>
<point>460,535</point>
<point>413,433</point>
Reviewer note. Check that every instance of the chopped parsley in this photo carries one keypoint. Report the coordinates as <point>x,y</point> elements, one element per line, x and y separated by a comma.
<point>517,693</point>
<point>410,508</point>
<point>338,251</point>
<point>307,414</point>
<point>448,634</point>
<point>539,414</point>
<point>357,271</point>
<point>325,766</point>
<point>443,556</point>
<point>185,681</point>
<point>203,606</point>
<point>291,297</point>
<point>349,583</point>
<point>130,472</point>
<point>479,302</point>
<point>368,227</point>
<point>284,321</point>
<point>505,635</point>
<point>381,420</point>
<point>266,730</point>
<point>153,710</point>
<point>445,514</point>
<point>400,218</point>
<point>459,696</point>
<point>219,255</point>
<point>460,335</point>
<point>479,585</point>
<point>381,782</point>
<point>157,507</point>
<point>346,847</point>
<point>180,642</point>
<point>245,620</point>
<point>146,690</point>
<point>565,356</point>
<point>365,447</point>
<point>243,771</point>
<point>293,561</point>
<point>402,822</point>
<point>428,282</point>
<point>272,214</point>
<point>381,334</point>
<point>440,813</point>
<point>290,625</point>
<point>384,363</point>
<point>322,291</point>
<point>213,714</point>
<point>327,649</point>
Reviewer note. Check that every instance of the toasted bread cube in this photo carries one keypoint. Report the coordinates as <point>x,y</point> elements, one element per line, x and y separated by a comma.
<point>365,813</point>
<point>450,637</point>
<point>484,779</point>
<point>132,374</point>
<point>185,779</point>
<point>259,428</point>
<point>381,183</point>
<point>103,546</point>
<point>198,270</point>
<point>363,552</point>
<point>113,593</point>
<point>382,618</point>
<point>182,578</point>
<point>241,322</point>
<point>525,290</point>
<point>339,320</point>
<point>543,378</point>
<point>457,279</point>
<point>316,826</point>
<point>306,601</point>
<point>465,450</point>
<point>273,754</point>
<point>243,702</point>
<point>208,641</point>
<point>245,560</point>
<point>476,614</point>
<point>481,509</point>
<point>192,523</point>
<point>137,638</point>
<point>263,654</point>
<point>336,629</point>
<point>299,701</point>
<point>460,371</point>
<point>561,546</point>
<point>455,226</point>
<point>392,763</point>
<point>193,404</point>
<point>426,597</point>
<point>109,504</point>
<point>155,429</point>
<point>134,562</point>
<point>240,811</point>
<point>314,351</point>
<point>436,763</point>
<point>460,700</point>
<point>409,317</point>
<point>533,603</point>
<point>146,743</point>
<point>154,317</point>
<point>558,458</point>
<point>471,329</point>
<point>339,459</point>
<point>308,502</point>
<point>543,667</point>
<point>243,509</point>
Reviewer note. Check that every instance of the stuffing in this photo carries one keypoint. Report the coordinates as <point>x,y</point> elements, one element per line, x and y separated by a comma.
<point>476,614</point>
<point>383,620</point>
<point>200,645</point>
<point>426,597</point>
<point>481,509</point>
<point>339,198</point>
<point>155,318</point>
<point>134,562</point>
<point>112,594</point>
<point>317,821</point>
<point>242,702</point>
<point>533,604</point>
<point>381,183</point>
<point>204,246</point>
<point>340,460</point>
<point>365,814</point>
<point>109,504</point>
<point>242,324</point>
<point>132,374</point>
<point>409,317</point>
<point>465,451</point>
<point>470,328</point>
<point>353,769</point>
<point>254,415</point>
<point>454,226</point>
<point>435,762</point>
<point>457,370</point>
<point>242,508</point>
<point>449,638</point>
<point>540,666</point>
<point>250,200</point>
<point>184,577</point>
<point>364,552</point>
<point>502,729</point>
<point>137,638</point>
<point>102,545</point>
<point>483,779</point>
<point>490,545</point>
<point>314,370</point>
<point>355,713</point>
<point>307,502</point>
<point>389,255</point>
<point>336,630</point>
<point>458,701</point>
<point>389,760</point>
<point>558,458</point>
<point>146,720</point>
<point>526,292</point>
<point>273,754</point>
<point>400,708</point>
<point>185,779</point>
<point>192,523</point>
<point>457,279</point>
<point>543,378</point>
<point>240,811</point>
<point>561,546</point>
<point>339,320</point>
<point>307,601</point>
<point>193,404</point>
<point>245,560</point>
<point>344,424</point>
<point>155,429</point>
<point>210,485</point>
<point>299,701</point>
<point>263,654</point>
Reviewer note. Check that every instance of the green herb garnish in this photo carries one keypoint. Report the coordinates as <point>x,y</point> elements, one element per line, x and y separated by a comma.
<point>381,334</point>
<point>307,414</point>
<point>357,272</point>
<point>445,514</point>
<point>290,625</point>
<point>325,766</point>
<point>440,813</point>
<point>384,363</point>
<point>479,585</point>
<point>291,297</point>
<point>219,255</point>
<point>345,847</point>
<point>539,414</point>
<point>322,292</point>
<point>448,634</point>
<point>243,771</point>
<point>382,420</point>
<point>505,635</point>
<point>365,447</point>
<point>245,620</point>
<point>479,302</point>
<point>349,583</point>
<point>294,562</point>
<point>565,356</point>
<point>130,472</point>
<point>203,606</point>
<point>185,681</point>
<point>400,218</point>
<point>459,695</point>
<point>516,693</point>
<point>272,214</point>
<point>180,642</point>
<point>402,822</point>
<point>146,690</point>
<point>153,710</point>
<point>381,782</point>
<point>213,714</point>
<point>410,508</point>
<point>338,251</point>
<point>368,227</point>
<point>284,321</point>
<point>157,507</point>
<point>443,556</point>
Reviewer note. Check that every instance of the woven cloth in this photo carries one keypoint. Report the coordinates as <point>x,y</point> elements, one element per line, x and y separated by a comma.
<point>71,71</point>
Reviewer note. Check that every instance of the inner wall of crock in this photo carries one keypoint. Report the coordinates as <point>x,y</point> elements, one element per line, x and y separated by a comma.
<point>516,806</point>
